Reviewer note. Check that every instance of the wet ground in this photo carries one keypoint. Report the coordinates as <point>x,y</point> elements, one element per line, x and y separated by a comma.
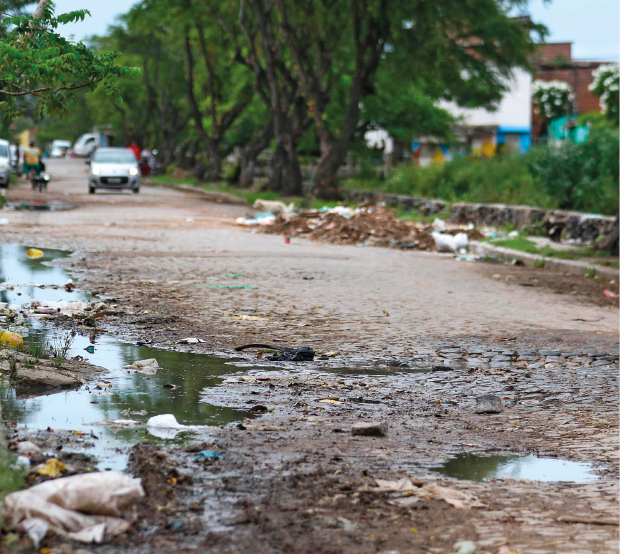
<point>293,477</point>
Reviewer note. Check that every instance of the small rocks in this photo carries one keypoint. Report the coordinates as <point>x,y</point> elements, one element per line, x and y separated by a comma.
<point>549,353</point>
<point>488,404</point>
<point>370,429</point>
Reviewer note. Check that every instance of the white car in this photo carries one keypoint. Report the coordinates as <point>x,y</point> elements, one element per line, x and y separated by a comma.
<point>59,148</point>
<point>113,168</point>
<point>5,163</point>
<point>86,144</point>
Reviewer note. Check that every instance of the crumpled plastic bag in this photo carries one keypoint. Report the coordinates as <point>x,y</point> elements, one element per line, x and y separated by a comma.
<point>301,354</point>
<point>12,340</point>
<point>166,426</point>
<point>91,507</point>
<point>148,366</point>
<point>450,243</point>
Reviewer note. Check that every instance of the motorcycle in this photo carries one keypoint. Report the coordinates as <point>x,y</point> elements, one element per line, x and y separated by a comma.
<point>39,182</point>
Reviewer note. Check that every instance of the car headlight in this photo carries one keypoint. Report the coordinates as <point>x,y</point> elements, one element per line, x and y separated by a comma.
<point>95,170</point>
<point>133,171</point>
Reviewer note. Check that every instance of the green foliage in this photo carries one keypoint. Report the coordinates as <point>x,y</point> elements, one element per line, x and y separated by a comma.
<point>606,84</point>
<point>553,99</point>
<point>11,477</point>
<point>582,176</point>
<point>38,61</point>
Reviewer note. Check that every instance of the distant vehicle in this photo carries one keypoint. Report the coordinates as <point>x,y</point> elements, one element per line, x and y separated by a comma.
<point>60,148</point>
<point>86,144</point>
<point>17,159</point>
<point>113,168</point>
<point>5,163</point>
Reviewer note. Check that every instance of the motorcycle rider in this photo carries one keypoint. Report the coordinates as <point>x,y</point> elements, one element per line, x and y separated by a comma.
<point>32,160</point>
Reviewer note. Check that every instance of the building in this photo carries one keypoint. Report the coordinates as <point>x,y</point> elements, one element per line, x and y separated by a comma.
<point>554,62</point>
<point>483,132</point>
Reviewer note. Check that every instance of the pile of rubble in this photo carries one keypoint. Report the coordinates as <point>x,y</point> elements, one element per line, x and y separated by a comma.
<point>363,226</point>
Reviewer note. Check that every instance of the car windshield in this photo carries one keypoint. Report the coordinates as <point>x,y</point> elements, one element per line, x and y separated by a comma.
<point>114,157</point>
<point>4,151</point>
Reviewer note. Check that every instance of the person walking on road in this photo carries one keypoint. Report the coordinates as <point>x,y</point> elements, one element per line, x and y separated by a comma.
<point>32,160</point>
<point>136,150</point>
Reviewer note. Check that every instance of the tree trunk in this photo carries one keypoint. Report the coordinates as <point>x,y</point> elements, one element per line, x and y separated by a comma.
<point>285,170</point>
<point>215,160</point>
<point>610,243</point>
<point>251,152</point>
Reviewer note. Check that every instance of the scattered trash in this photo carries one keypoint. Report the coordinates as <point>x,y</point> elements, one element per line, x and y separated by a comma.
<point>488,404</point>
<point>513,234</point>
<point>91,507</point>
<point>90,349</point>
<point>406,488</point>
<point>4,221</point>
<point>191,340</point>
<point>450,243</point>
<point>208,455</point>
<point>274,207</point>
<point>259,409</point>
<point>301,354</point>
<point>441,368</point>
<point>465,547</point>
<point>53,468</point>
<point>466,258</point>
<point>148,367</point>
<point>246,317</point>
<point>370,429</point>
<point>234,276</point>
<point>10,339</point>
<point>34,253</point>
<point>28,447</point>
<point>439,224</point>
<point>23,462</point>
<point>610,294</point>
<point>166,426</point>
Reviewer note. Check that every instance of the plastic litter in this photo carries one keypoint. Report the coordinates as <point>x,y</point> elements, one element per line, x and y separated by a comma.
<point>166,426</point>
<point>191,340</point>
<point>34,253</point>
<point>148,366</point>
<point>27,447</point>
<point>53,468</point>
<point>513,234</point>
<point>92,507</point>
<point>246,317</point>
<point>439,224</point>
<point>10,339</point>
<point>465,547</point>
<point>450,243</point>
<point>208,455</point>
<point>610,294</point>
<point>301,354</point>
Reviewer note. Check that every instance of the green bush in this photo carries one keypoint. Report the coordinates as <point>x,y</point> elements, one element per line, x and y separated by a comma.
<point>581,177</point>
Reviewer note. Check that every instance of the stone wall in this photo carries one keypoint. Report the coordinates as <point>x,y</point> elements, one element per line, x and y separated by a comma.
<point>557,223</point>
<point>427,206</point>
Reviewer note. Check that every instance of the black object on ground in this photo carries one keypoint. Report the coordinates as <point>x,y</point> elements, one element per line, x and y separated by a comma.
<point>301,354</point>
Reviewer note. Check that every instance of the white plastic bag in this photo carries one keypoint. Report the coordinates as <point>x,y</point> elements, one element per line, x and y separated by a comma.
<point>90,507</point>
<point>449,243</point>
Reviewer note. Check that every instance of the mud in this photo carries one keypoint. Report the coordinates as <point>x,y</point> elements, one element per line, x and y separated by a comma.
<point>294,478</point>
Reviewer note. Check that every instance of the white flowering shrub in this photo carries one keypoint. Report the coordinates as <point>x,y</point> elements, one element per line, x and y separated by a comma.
<point>553,99</point>
<point>606,82</point>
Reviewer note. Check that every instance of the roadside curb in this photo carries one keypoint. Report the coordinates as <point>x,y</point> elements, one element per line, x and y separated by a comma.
<point>219,197</point>
<point>569,266</point>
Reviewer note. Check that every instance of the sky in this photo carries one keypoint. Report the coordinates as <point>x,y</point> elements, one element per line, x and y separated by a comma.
<point>592,25</point>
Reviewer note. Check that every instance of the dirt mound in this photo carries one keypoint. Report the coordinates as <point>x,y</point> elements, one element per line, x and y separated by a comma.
<point>367,225</point>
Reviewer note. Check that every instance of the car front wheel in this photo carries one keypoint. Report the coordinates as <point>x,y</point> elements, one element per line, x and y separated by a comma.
<point>136,190</point>
<point>91,190</point>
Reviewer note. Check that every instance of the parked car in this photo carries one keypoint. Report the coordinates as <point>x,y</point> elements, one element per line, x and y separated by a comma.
<point>86,144</point>
<point>5,163</point>
<point>60,148</point>
<point>113,168</point>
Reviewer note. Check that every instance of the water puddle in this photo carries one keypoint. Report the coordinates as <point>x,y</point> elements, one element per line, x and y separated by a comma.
<point>473,467</point>
<point>39,206</point>
<point>174,389</point>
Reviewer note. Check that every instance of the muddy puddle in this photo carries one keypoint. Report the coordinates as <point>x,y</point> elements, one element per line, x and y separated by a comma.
<point>174,389</point>
<point>473,467</point>
<point>39,206</point>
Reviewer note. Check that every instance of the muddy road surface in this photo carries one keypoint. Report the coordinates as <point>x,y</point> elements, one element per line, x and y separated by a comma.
<point>405,343</point>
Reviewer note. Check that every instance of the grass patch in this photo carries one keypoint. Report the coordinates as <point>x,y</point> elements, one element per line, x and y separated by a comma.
<point>417,217</point>
<point>11,478</point>
<point>525,245</point>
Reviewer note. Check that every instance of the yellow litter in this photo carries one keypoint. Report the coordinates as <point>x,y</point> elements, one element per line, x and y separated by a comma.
<point>53,468</point>
<point>34,253</point>
<point>249,318</point>
<point>10,339</point>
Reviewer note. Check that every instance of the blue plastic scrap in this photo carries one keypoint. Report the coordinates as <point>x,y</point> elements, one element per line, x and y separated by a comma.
<point>208,455</point>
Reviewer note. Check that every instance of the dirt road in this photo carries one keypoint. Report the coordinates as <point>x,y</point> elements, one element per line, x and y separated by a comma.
<point>294,479</point>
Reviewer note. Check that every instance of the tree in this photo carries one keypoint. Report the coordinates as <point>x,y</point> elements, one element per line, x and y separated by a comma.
<point>38,61</point>
<point>154,112</point>
<point>468,47</point>
<point>553,99</point>
<point>218,89</point>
